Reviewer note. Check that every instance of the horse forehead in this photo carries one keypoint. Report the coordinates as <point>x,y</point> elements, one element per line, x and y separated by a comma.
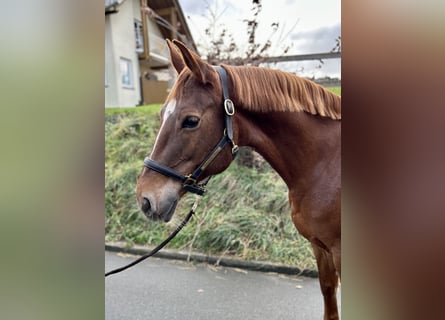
<point>194,101</point>
<point>188,94</point>
<point>170,107</point>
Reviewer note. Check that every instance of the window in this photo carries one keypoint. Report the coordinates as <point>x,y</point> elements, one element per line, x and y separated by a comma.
<point>139,36</point>
<point>126,73</point>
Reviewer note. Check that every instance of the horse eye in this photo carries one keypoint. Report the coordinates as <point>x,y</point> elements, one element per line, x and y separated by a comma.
<point>190,122</point>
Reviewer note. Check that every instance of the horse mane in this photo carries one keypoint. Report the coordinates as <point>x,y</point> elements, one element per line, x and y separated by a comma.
<point>265,90</point>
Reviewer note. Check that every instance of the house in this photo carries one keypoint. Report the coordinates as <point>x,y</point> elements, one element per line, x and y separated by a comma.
<point>137,68</point>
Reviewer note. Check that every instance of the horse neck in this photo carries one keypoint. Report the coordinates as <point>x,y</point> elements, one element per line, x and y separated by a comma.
<point>296,144</point>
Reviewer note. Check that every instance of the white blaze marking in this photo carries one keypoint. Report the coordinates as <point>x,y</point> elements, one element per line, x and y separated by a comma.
<point>168,111</point>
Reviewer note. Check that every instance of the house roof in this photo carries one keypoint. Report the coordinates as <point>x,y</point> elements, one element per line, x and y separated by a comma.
<point>162,5</point>
<point>111,5</point>
<point>161,8</point>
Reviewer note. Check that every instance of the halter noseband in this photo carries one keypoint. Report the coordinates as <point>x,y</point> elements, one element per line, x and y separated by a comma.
<point>189,182</point>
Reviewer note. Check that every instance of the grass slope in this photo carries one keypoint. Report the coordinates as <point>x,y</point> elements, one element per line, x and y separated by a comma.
<point>336,90</point>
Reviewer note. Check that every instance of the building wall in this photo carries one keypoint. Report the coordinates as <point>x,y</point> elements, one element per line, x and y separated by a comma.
<point>111,97</point>
<point>153,28</point>
<point>120,43</point>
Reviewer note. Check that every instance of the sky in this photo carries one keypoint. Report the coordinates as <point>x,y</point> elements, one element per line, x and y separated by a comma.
<point>302,24</point>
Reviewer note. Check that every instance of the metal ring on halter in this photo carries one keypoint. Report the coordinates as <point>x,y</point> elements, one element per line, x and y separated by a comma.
<point>229,107</point>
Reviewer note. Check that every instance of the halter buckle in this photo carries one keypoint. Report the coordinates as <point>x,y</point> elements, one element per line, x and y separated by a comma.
<point>190,185</point>
<point>189,180</point>
<point>235,150</point>
<point>229,107</point>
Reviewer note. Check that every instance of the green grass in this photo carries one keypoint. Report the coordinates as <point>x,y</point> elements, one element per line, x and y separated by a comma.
<point>152,109</point>
<point>336,90</point>
<point>245,212</point>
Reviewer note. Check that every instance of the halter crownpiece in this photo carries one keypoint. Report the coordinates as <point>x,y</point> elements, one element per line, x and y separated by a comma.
<point>190,181</point>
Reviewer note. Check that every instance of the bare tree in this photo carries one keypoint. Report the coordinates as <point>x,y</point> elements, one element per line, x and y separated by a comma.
<point>337,47</point>
<point>222,48</point>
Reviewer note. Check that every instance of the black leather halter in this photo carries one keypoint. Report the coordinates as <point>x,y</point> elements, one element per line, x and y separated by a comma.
<point>190,181</point>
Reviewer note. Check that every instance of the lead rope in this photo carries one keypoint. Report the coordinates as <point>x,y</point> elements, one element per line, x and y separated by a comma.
<point>162,245</point>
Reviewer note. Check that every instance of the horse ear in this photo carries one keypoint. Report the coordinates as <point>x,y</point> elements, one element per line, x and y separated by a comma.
<point>200,69</point>
<point>176,57</point>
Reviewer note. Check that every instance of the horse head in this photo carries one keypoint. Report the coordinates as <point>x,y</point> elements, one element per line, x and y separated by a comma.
<point>192,123</point>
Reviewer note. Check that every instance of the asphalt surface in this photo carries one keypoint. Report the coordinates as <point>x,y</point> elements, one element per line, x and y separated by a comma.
<point>169,289</point>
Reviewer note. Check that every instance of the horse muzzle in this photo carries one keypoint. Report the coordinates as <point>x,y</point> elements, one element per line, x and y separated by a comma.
<point>157,200</point>
<point>158,211</point>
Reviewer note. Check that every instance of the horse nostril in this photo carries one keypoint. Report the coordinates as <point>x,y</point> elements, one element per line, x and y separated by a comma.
<point>146,206</point>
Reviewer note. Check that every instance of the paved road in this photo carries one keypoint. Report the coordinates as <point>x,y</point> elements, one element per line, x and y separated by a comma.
<point>168,289</point>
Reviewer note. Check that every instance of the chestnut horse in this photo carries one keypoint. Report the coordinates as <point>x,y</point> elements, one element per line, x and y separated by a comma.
<point>292,122</point>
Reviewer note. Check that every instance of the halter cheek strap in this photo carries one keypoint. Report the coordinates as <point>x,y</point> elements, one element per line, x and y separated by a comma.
<point>229,109</point>
<point>189,182</point>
